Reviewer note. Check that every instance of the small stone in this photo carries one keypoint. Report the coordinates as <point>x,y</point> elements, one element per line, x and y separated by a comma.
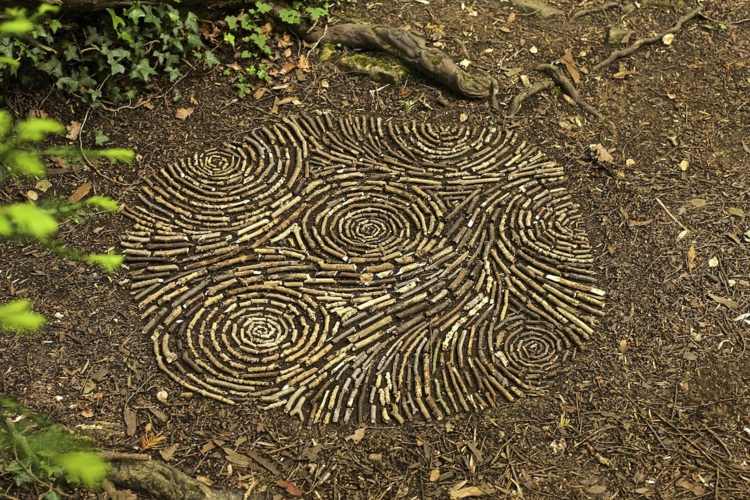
<point>713,262</point>
<point>162,396</point>
<point>667,39</point>
<point>684,164</point>
<point>533,49</point>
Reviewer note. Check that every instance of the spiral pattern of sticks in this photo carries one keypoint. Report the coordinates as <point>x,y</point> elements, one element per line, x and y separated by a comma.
<point>363,270</point>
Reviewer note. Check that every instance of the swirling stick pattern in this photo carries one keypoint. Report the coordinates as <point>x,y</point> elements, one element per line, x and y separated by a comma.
<point>363,270</point>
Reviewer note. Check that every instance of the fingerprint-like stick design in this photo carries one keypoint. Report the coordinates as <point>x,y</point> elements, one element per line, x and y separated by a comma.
<point>363,270</point>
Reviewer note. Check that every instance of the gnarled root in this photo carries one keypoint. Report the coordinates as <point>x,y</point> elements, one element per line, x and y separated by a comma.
<point>410,48</point>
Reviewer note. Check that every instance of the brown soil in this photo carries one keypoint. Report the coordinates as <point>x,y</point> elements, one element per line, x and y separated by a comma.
<point>657,406</point>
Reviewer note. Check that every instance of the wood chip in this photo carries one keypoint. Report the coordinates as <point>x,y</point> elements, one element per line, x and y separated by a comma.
<point>80,192</point>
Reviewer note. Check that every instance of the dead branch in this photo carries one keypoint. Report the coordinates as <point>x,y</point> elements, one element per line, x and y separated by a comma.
<point>619,54</point>
<point>594,10</point>
<point>518,100</point>
<point>567,86</point>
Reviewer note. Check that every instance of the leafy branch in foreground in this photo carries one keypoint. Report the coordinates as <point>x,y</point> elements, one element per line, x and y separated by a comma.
<point>33,450</point>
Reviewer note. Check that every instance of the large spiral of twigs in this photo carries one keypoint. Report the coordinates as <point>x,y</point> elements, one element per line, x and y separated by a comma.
<point>357,269</point>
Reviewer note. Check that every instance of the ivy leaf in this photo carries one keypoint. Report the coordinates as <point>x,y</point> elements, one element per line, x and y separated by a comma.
<point>117,21</point>
<point>231,22</point>
<point>101,138</point>
<point>261,42</point>
<point>210,59</point>
<point>30,220</point>
<point>36,129</point>
<point>135,13</point>
<point>142,70</point>
<point>55,25</point>
<point>191,22</point>
<point>263,7</point>
<point>109,262</point>
<point>17,316</point>
<point>290,16</point>
<point>316,12</point>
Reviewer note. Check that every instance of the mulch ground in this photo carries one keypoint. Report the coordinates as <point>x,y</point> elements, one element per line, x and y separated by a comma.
<point>657,406</point>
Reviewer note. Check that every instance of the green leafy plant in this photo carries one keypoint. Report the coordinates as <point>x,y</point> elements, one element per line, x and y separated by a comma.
<point>22,155</point>
<point>34,450</point>
<point>112,55</point>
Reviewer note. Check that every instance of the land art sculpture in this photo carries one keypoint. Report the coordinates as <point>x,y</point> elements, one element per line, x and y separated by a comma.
<point>363,270</point>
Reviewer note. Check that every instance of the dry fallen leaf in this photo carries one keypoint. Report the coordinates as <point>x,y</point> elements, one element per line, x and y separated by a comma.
<point>237,458</point>
<point>303,63</point>
<point>697,202</point>
<point>167,453</point>
<point>80,192</point>
<point>601,153</point>
<point>737,212</point>
<point>459,491</point>
<point>43,185</point>
<point>131,421</point>
<point>570,65</point>
<point>729,303</point>
<point>183,113</point>
<point>74,130</point>
<point>290,488</point>
<point>596,489</point>
<point>358,435</point>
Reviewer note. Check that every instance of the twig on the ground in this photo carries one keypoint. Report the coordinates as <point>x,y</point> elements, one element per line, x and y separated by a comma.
<point>594,10</point>
<point>493,94</point>
<point>515,104</point>
<point>619,54</point>
<point>567,86</point>
<point>85,159</point>
<point>671,216</point>
<point>117,455</point>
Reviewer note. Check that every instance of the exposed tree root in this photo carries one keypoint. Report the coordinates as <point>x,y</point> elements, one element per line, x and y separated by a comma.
<point>594,10</point>
<point>518,100</point>
<point>567,86</point>
<point>619,54</point>
<point>164,481</point>
<point>411,49</point>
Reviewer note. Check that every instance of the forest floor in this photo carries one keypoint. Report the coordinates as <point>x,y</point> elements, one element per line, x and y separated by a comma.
<point>658,405</point>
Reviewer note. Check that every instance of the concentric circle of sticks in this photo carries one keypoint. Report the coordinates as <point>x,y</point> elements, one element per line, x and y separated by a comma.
<point>362,270</point>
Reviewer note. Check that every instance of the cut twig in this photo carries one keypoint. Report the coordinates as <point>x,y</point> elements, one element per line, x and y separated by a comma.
<point>594,10</point>
<point>515,104</point>
<point>619,54</point>
<point>117,456</point>
<point>567,86</point>
<point>671,216</point>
